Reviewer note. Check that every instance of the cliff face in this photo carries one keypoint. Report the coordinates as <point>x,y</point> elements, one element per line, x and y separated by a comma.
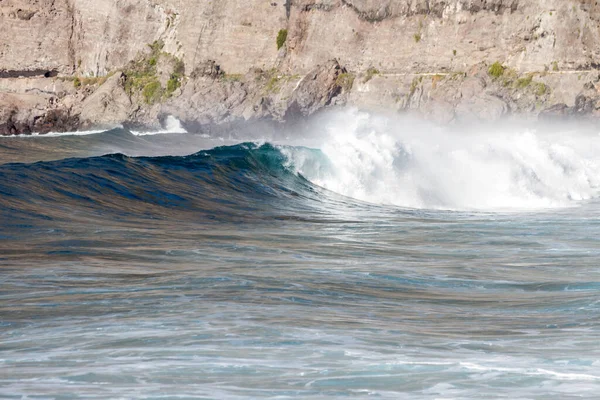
<point>436,36</point>
<point>97,37</point>
<point>218,61</point>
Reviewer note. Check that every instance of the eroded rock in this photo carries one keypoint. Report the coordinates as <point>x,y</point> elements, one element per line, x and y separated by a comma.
<point>27,114</point>
<point>316,90</point>
<point>108,104</point>
<point>423,50</point>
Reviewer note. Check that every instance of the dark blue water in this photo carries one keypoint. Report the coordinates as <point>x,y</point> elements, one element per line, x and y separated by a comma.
<point>232,273</point>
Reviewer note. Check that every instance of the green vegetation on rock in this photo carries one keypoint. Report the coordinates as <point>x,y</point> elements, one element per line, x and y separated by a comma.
<point>417,36</point>
<point>345,80</point>
<point>152,92</point>
<point>173,84</point>
<point>232,77</point>
<point>142,74</point>
<point>510,79</point>
<point>275,80</point>
<point>496,70</point>
<point>281,38</point>
<point>89,81</point>
<point>524,82</point>
<point>272,85</point>
<point>156,47</point>
<point>415,84</point>
<point>371,72</point>
<point>176,77</point>
<point>540,89</point>
<point>142,71</point>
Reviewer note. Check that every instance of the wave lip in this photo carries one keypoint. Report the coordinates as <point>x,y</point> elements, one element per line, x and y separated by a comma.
<point>225,181</point>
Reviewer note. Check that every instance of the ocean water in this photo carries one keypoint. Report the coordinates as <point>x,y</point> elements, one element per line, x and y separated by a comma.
<point>357,256</point>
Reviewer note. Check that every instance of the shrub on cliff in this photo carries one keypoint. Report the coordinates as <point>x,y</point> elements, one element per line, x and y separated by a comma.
<point>524,82</point>
<point>173,83</point>
<point>345,81</point>
<point>152,92</point>
<point>371,72</point>
<point>145,74</point>
<point>540,89</point>
<point>281,38</point>
<point>176,77</point>
<point>496,70</point>
<point>156,46</point>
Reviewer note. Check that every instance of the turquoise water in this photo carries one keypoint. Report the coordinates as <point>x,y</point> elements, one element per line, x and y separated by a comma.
<point>248,270</point>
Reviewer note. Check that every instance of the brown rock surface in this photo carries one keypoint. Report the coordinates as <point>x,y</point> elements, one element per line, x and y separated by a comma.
<point>316,90</point>
<point>107,105</point>
<point>26,114</point>
<point>430,57</point>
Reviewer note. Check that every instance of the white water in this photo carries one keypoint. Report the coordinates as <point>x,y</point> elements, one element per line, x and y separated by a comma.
<point>393,161</point>
<point>58,134</point>
<point>171,125</point>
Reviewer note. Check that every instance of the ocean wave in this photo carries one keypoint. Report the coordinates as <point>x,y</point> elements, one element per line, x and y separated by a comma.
<point>394,161</point>
<point>365,158</point>
<point>228,180</point>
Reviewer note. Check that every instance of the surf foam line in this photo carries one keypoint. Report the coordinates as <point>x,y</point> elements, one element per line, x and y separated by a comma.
<point>400,162</point>
<point>58,134</point>
<point>531,372</point>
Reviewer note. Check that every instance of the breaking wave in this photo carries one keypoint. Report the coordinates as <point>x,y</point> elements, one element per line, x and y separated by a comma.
<point>369,158</point>
<point>391,161</point>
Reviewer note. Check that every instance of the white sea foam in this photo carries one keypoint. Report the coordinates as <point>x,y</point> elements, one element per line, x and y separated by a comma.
<point>171,125</point>
<point>531,372</point>
<point>57,134</point>
<point>395,161</point>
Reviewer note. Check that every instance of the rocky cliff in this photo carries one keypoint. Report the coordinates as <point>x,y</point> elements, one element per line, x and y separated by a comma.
<point>69,64</point>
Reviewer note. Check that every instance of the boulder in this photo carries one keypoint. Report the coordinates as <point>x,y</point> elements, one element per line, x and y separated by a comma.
<point>33,113</point>
<point>555,111</point>
<point>316,90</point>
<point>108,104</point>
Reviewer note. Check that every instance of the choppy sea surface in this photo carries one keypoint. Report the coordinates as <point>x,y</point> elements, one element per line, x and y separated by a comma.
<point>359,256</point>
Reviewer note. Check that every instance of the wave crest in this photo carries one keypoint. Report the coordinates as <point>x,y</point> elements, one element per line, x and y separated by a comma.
<point>395,161</point>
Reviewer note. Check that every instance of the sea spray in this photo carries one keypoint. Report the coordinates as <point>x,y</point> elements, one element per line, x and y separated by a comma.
<point>387,160</point>
<point>170,125</point>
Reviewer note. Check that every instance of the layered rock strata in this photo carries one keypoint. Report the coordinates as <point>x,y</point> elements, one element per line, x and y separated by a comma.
<point>73,64</point>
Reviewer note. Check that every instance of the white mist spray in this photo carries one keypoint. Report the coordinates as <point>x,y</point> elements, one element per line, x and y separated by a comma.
<point>396,161</point>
